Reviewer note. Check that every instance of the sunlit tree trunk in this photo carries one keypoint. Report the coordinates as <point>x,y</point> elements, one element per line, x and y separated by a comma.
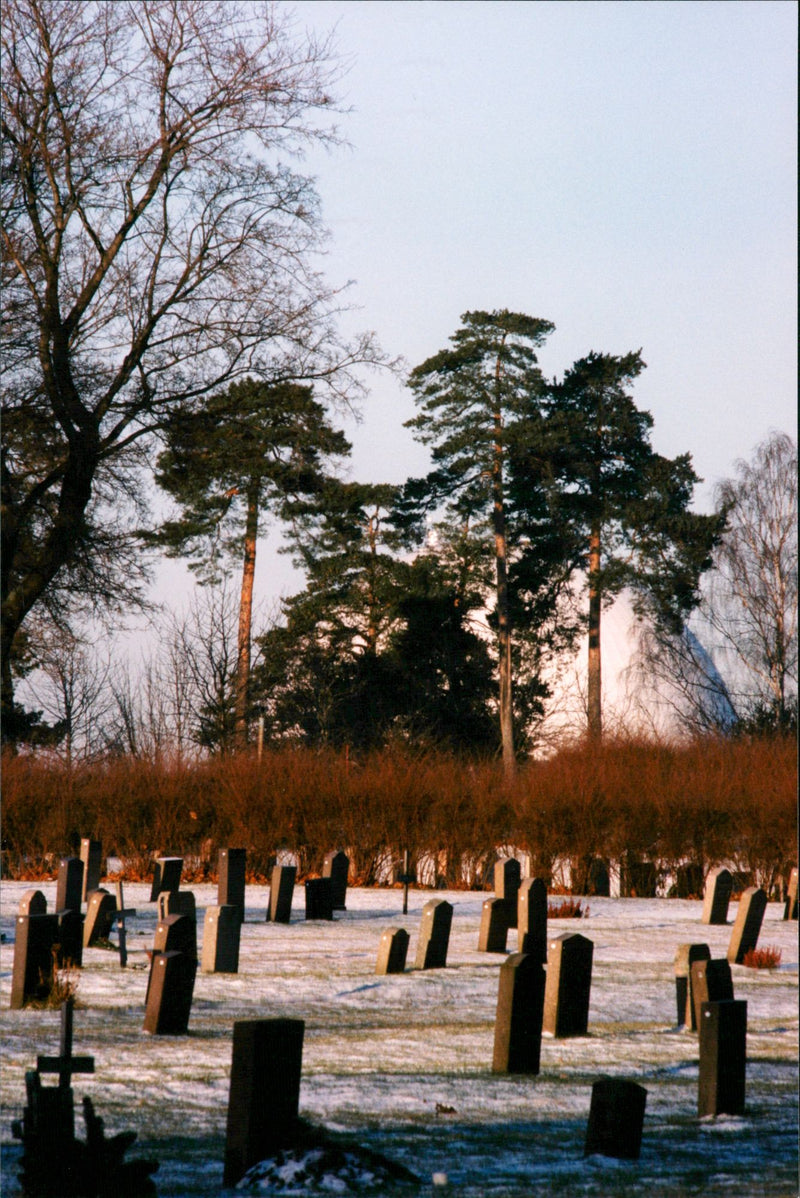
<point>503,618</point>
<point>246,616</point>
<point>594,676</point>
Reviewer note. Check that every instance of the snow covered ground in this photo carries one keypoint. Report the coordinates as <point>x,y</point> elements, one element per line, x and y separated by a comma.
<point>381,1054</point>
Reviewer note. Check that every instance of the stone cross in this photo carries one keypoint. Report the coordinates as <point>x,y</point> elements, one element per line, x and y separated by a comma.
<point>747,925</point>
<point>716,896</point>
<point>518,1021</point>
<point>65,1064</point>
<point>723,1058</point>
<point>616,1119</point>
<point>408,877</point>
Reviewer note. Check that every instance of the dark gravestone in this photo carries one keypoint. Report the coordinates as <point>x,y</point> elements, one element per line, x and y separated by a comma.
<point>100,910</point>
<point>716,896</point>
<point>281,892</point>
<point>638,879</point>
<point>518,1022</point>
<point>264,1092</point>
<point>319,898</point>
<point>434,934</point>
<point>723,1058</point>
<point>493,932</point>
<point>790,907</point>
<point>32,902</point>
<point>569,981</point>
<point>221,932</point>
<point>69,939</point>
<point>532,918</point>
<point>176,933</point>
<point>169,994</point>
<point>33,958</point>
<point>232,871</point>
<point>336,866</point>
<point>688,881</point>
<point>69,887</point>
<point>166,875</point>
<point>121,914</point>
<point>711,981</point>
<point>392,951</point>
<point>507,878</point>
<point>616,1119</point>
<point>92,857</point>
<point>176,902</point>
<point>685,957</point>
<point>598,881</point>
<point>747,925</point>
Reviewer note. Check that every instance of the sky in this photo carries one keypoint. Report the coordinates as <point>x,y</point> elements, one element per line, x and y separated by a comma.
<point>624,170</point>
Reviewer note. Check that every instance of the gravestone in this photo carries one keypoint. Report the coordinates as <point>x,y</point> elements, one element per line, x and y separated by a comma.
<point>569,981</point>
<point>532,918</point>
<point>688,880</point>
<point>69,939</point>
<point>638,879</point>
<point>176,902</point>
<point>747,924</point>
<point>337,867</point>
<point>169,993</point>
<point>711,981</point>
<point>264,1094</point>
<point>319,898</point>
<point>221,932</point>
<point>166,875</point>
<point>434,934</point>
<point>69,887</point>
<point>685,957</point>
<point>100,909</point>
<point>392,951</point>
<point>616,1119</point>
<point>91,854</point>
<point>33,958</point>
<point>281,893</point>
<point>598,881</point>
<point>723,1058</point>
<point>176,933</point>
<point>518,1021</point>
<point>507,877</point>
<point>716,896</point>
<point>790,907</point>
<point>121,913</point>
<point>32,902</point>
<point>493,932</point>
<point>232,870</point>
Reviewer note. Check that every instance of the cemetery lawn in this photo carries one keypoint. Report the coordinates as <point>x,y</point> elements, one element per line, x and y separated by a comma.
<point>402,1063</point>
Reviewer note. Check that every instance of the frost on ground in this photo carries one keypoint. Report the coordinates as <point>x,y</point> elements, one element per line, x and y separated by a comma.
<point>401,1065</point>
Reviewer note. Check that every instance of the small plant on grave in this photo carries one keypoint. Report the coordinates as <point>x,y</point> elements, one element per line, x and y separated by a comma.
<point>767,957</point>
<point>567,909</point>
<point>60,984</point>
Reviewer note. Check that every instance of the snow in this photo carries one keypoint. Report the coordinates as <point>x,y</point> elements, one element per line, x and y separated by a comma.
<point>385,1057</point>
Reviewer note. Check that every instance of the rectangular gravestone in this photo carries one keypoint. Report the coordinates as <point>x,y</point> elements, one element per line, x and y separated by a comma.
<point>518,1021</point>
<point>716,896</point>
<point>166,875</point>
<point>176,933</point>
<point>32,902</point>
<point>69,887</point>
<point>264,1095</point>
<point>392,951</point>
<point>33,958</point>
<point>91,853</point>
<point>569,981</point>
<point>221,933</point>
<point>790,907</point>
<point>532,918</point>
<point>493,932</point>
<point>336,866</point>
<point>100,911</point>
<point>176,902</point>
<point>616,1119</point>
<point>281,893</point>
<point>685,957</point>
<point>723,1058</point>
<point>747,924</point>
<point>169,993</point>
<point>319,898</point>
<point>69,939</point>
<point>434,934</point>
<point>232,873</point>
<point>711,981</point>
<point>507,877</point>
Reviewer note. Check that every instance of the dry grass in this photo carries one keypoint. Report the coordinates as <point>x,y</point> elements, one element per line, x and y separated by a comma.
<point>567,909</point>
<point>767,957</point>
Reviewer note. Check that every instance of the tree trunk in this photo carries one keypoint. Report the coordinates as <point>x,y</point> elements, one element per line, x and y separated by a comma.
<point>501,572</point>
<point>246,616</point>
<point>594,675</point>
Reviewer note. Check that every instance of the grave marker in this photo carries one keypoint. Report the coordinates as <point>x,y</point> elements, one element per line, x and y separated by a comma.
<point>790,907</point>
<point>616,1119</point>
<point>169,993</point>
<point>176,902</point>
<point>221,933</point>
<point>507,876</point>
<point>711,981</point>
<point>685,957</point>
<point>32,902</point>
<point>65,1064</point>
<point>747,925</point>
<point>532,918</point>
<point>166,875</point>
<point>723,1058</point>
<point>232,872</point>
<point>69,939</point>
<point>434,934</point>
<point>392,951</point>
<point>336,866</point>
<point>598,881</point>
<point>69,887</point>
<point>407,877</point>
<point>100,908</point>
<point>120,915</point>
<point>91,854</point>
<point>518,1021</point>
<point>716,896</point>
<point>319,898</point>
<point>33,958</point>
<point>494,926</point>
<point>569,981</point>
<point>264,1092</point>
<point>281,893</point>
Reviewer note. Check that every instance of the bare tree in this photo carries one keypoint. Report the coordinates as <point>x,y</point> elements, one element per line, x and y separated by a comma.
<point>156,246</point>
